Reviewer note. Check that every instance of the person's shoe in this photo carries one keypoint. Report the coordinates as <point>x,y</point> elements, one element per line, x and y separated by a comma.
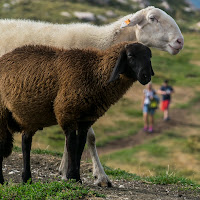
<point>150,130</point>
<point>145,128</point>
<point>166,119</point>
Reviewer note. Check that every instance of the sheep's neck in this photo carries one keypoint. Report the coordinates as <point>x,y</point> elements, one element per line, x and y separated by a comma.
<point>113,34</point>
<point>126,34</point>
<point>109,93</point>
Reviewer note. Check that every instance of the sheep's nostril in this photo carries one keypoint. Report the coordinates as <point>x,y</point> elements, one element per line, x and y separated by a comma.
<point>145,76</point>
<point>180,41</point>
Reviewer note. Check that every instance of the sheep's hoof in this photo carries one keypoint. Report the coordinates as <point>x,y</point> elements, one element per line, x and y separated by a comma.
<point>62,171</point>
<point>1,181</point>
<point>26,177</point>
<point>103,182</point>
<point>64,178</point>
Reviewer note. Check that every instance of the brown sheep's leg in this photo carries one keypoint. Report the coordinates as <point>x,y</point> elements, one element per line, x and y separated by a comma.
<point>26,148</point>
<point>6,145</point>
<point>1,172</point>
<point>72,171</point>
<point>81,140</point>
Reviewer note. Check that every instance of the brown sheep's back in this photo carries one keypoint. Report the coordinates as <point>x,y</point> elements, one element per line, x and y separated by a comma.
<point>43,86</point>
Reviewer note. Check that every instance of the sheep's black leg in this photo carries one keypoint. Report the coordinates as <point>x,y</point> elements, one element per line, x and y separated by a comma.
<point>26,148</point>
<point>81,140</point>
<point>72,171</point>
<point>6,145</point>
<point>1,172</point>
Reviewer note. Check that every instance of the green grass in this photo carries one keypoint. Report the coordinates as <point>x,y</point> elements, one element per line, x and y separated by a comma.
<point>120,174</point>
<point>51,190</point>
<point>182,70</point>
<point>189,104</point>
<point>39,151</point>
<point>155,155</point>
<point>121,129</point>
<point>175,68</point>
<point>127,155</point>
<point>165,178</point>
<point>49,10</point>
<point>72,190</point>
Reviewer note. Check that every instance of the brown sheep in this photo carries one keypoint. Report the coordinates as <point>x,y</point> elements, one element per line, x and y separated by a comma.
<point>42,86</point>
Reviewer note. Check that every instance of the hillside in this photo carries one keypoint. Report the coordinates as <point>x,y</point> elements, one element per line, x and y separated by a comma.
<point>171,152</point>
<point>125,185</point>
<point>94,11</point>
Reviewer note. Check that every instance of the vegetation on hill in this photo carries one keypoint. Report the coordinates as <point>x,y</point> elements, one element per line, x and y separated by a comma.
<point>106,11</point>
<point>177,149</point>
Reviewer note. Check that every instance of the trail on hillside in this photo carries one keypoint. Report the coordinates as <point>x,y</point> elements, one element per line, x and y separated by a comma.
<point>178,118</point>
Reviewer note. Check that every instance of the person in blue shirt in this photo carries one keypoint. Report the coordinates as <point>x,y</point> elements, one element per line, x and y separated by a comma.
<point>166,92</point>
<point>148,112</point>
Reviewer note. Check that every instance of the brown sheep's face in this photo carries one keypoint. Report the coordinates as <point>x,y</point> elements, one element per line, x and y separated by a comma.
<point>139,63</point>
<point>134,62</point>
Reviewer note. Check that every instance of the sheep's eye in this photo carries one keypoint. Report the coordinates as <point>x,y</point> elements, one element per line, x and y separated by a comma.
<point>153,19</point>
<point>130,55</point>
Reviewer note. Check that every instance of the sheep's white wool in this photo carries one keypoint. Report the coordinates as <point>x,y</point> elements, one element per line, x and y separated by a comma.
<point>161,33</point>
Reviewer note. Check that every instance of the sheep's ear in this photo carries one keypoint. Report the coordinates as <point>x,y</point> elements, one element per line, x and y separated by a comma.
<point>119,66</point>
<point>137,18</point>
<point>152,72</point>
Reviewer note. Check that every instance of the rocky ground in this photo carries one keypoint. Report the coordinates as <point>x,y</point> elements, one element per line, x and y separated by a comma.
<point>45,168</point>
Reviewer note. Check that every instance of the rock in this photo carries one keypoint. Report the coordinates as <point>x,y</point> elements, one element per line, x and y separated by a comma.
<point>188,9</point>
<point>121,186</point>
<point>13,172</point>
<point>110,13</point>
<point>85,16</point>
<point>65,14</point>
<point>165,5</point>
<point>13,2</point>
<point>102,18</point>
<point>123,1</point>
<point>100,2</point>
<point>198,25</point>
<point>6,5</point>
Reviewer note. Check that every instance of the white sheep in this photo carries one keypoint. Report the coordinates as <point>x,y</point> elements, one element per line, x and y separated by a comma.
<point>150,26</point>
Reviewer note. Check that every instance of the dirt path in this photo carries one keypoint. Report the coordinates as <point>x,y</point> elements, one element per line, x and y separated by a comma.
<point>179,118</point>
<point>45,168</point>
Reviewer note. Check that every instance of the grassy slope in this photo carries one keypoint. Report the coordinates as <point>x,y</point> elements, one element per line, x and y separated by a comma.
<point>125,118</point>
<point>178,148</point>
<point>72,190</point>
<point>51,190</point>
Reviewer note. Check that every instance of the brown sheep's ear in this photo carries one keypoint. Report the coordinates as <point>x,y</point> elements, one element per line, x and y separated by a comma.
<point>119,66</point>
<point>152,72</point>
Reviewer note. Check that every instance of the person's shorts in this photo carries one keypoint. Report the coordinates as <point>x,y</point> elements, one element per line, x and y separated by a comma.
<point>148,110</point>
<point>165,105</point>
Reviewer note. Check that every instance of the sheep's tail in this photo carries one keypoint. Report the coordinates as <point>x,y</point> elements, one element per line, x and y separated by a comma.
<point>6,136</point>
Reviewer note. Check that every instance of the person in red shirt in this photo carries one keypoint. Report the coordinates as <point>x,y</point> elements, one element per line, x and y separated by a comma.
<point>166,91</point>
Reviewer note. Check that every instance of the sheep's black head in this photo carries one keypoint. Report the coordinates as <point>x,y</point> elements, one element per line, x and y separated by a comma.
<point>134,62</point>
